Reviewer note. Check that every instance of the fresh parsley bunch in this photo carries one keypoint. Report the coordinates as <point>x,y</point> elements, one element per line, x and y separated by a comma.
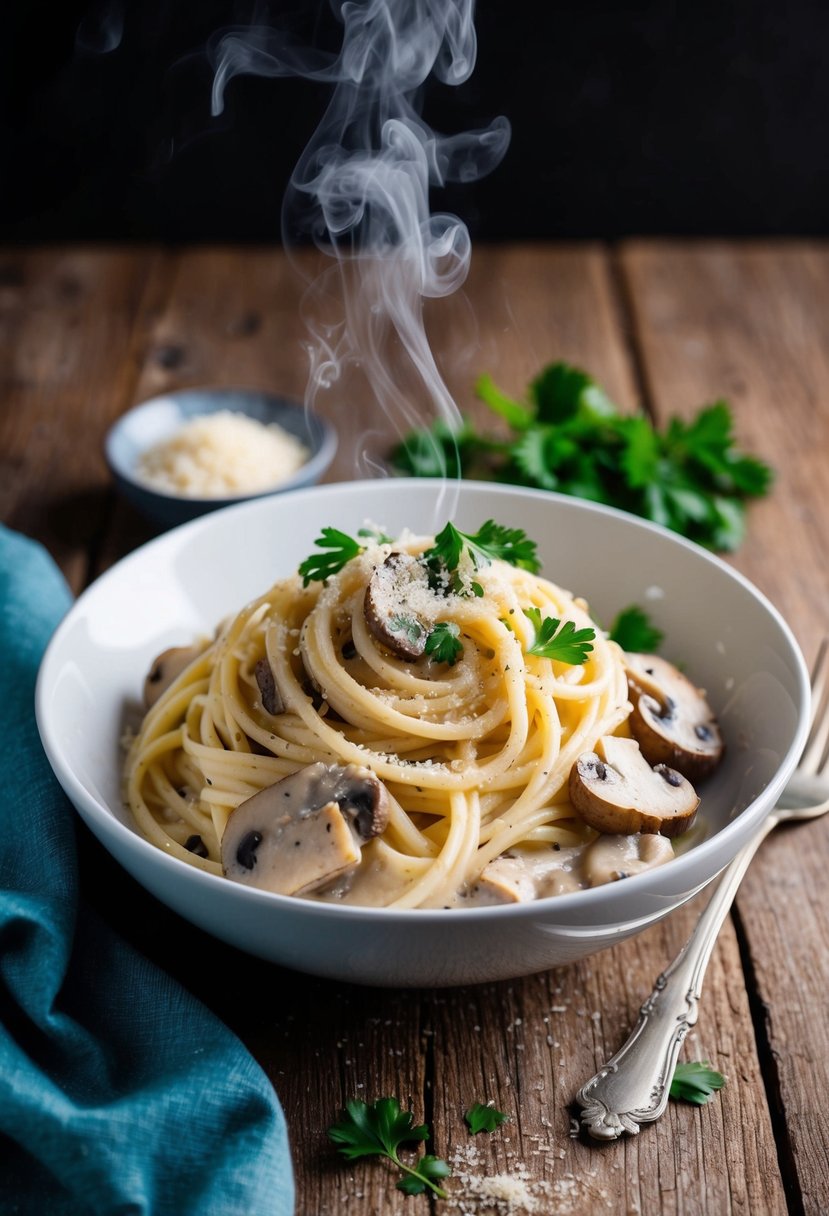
<point>570,437</point>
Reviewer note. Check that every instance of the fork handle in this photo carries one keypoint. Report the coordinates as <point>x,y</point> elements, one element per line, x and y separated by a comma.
<point>634,1086</point>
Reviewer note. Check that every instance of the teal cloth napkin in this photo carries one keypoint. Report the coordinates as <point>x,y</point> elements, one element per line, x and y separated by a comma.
<point>119,1092</point>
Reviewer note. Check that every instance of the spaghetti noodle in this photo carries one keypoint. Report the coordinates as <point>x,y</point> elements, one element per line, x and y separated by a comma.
<point>474,751</point>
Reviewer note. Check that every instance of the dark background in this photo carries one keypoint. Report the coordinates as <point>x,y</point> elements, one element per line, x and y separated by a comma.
<point>627,118</point>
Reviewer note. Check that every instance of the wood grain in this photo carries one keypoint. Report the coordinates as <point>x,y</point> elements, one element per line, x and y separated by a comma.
<point>751,322</point>
<point>69,320</point>
<point>663,321</point>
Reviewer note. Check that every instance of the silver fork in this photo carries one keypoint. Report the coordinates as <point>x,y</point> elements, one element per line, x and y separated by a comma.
<point>633,1087</point>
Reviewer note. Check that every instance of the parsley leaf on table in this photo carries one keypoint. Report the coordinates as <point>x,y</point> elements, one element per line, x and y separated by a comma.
<point>379,1130</point>
<point>557,640</point>
<point>570,437</point>
<point>482,1118</point>
<point>696,1082</point>
<point>633,631</point>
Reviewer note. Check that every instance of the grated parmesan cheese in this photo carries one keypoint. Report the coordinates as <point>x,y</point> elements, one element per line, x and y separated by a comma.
<point>222,454</point>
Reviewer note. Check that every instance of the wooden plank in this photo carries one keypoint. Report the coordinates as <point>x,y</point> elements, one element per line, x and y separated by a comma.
<point>529,307</point>
<point>534,305</point>
<point>240,317</point>
<point>749,323</point>
<point>752,322</point>
<point>223,317</point>
<point>67,322</point>
<point>555,1029</point>
<point>524,306</point>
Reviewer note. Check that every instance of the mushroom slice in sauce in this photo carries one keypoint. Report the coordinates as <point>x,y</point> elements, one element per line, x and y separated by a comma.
<point>272,702</point>
<point>167,667</point>
<point>610,858</point>
<point>390,615</point>
<point>671,719</point>
<point>615,790</point>
<point>506,880</point>
<point>305,830</point>
<point>526,874</point>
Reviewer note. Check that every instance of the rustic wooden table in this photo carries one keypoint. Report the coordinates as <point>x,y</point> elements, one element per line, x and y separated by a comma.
<point>88,332</point>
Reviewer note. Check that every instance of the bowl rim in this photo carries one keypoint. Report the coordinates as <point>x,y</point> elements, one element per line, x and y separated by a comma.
<point>570,901</point>
<point>315,465</point>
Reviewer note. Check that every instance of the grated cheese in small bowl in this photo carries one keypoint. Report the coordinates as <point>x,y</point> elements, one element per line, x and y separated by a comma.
<point>222,454</point>
<point>182,454</point>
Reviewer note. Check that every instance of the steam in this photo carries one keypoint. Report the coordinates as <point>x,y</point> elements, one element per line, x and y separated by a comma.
<point>361,190</point>
<point>101,29</point>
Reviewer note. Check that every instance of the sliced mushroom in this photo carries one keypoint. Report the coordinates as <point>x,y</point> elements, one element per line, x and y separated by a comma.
<point>504,881</point>
<point>272,702</point>
<point>611,858</point>
<point>671,719</point>
<point>615,790</point>
<point>390,614</point>
<point>305,830</point>
<point>166,668</point>
<point>315,695</point>
<point>525,874</point>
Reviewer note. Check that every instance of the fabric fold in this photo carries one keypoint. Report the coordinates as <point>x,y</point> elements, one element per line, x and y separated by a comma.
<point>119,1091</point>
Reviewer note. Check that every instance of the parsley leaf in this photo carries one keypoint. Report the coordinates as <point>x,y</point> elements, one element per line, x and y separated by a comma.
<point>429,1170</point>
<point>570,437</point>
<point>491,541</point>
<point>509,544</point>
<point>375,534</point>
<point>518,415</point>
<point>562,393</point>
<point>633,631</point>
<point>557,640</point>
<point>320,566</point>
<point>440,451</point>
<point>696,1082</point>
<point>408,626</point>
<point>378,1131</point>
<point>442,643</point>
<point>482,1118</point>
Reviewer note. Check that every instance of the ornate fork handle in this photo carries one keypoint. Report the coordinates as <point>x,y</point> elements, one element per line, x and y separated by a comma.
<point>633,1087</point>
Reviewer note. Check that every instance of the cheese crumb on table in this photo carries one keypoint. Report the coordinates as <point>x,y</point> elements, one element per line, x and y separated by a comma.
<point>517,1193</point>
<point>221,454</point>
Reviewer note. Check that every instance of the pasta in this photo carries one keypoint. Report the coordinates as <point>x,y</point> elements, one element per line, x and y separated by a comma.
<point>473,752</point>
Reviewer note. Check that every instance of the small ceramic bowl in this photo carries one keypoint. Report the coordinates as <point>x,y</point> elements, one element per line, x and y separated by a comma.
<point>178,586</point>
<point>159,419</point>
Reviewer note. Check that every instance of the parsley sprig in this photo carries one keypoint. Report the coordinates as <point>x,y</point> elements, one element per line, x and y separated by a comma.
<point>379,1130</point>
<point>340,549</point>
<point>633,630</point>
<point>696,1082</point>
<point>480,1118</point>
<point>443,644</point>
<point>559,640</point>
<point>492,541</point>
<point>570,437</point>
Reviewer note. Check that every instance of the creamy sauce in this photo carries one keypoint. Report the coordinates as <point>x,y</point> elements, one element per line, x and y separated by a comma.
<point>523,875</point>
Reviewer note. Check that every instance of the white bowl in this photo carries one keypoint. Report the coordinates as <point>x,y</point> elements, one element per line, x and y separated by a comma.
<point>725,633</point>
